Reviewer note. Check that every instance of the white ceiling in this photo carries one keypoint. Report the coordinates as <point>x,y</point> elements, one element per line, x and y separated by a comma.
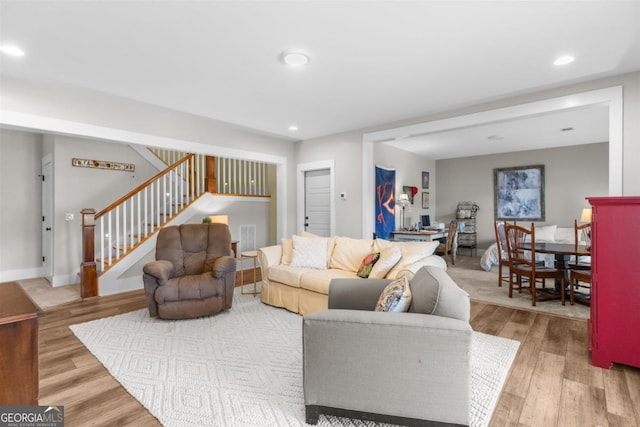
<point>371,62</point>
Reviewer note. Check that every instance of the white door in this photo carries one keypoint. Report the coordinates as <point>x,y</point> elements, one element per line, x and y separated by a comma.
<point>47,219</point>
<point>317,202</point>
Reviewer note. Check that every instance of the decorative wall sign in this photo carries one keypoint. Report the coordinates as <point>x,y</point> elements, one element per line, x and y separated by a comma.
<point>103,164</point>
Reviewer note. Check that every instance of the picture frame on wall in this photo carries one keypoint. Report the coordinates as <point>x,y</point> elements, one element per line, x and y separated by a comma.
<point>519,193</point>
<point>425,179</point>
<point>425,200</point>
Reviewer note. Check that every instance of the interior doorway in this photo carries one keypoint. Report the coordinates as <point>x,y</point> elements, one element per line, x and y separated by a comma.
<point>316,202</point>
<point>315,207</point>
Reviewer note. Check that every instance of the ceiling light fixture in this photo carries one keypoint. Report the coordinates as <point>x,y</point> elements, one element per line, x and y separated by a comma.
<point>11,50</point>
<point>295,57</point>
<point>293,128</point>
<point>564,60</point>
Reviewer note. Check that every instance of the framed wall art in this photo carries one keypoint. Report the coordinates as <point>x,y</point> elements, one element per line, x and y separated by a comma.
<point>425,200</point>
<point>519,193</point>
<point>425,179</point>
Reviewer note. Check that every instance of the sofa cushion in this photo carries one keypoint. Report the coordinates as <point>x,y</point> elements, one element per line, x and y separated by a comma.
<point>309,252</point>
<point>412,252</point>
<point>396,296</point>
<point>348,253</point>
<point>451,301</point>
<point>389,257</point>
<point>286,274</point>
<point>367,264</point>
<point>319,280</point>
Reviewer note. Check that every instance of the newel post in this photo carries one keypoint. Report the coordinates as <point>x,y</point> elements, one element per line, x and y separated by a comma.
<point>88,277</point>
<point>210,181</point>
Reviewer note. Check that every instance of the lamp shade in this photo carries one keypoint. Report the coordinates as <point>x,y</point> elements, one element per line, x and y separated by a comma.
<point>403,198</point>
<point>219,219</point>
<point>586,215</point>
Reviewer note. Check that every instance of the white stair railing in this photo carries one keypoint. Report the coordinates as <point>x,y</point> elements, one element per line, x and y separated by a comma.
<point>124,224</point>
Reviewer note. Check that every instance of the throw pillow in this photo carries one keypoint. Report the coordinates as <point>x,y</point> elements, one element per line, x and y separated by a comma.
<point>452,301</point>
<point>426,291</point>
<point>287,251</point>
<point>396,296</point>
<point>367,264</point>
<point>412,252</point>
<point>348,253</point>
<point>389,256</point>
<point>309,252</point>
<point>546,233</point>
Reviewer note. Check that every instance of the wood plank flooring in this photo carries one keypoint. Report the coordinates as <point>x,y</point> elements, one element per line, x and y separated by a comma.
<point>551,382</point>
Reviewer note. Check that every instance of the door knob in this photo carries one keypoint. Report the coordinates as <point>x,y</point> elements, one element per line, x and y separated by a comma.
<point>48,228</point>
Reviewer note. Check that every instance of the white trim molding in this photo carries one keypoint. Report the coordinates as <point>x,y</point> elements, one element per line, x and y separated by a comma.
<point>611,96</point>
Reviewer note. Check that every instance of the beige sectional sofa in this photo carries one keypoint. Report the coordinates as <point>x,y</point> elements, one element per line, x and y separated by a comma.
<point>296,274</point>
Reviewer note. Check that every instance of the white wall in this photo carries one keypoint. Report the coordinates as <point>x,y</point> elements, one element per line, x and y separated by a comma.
<point>346,153</point>
<point>347,147</point>
<point>409,168</point>
<point>115,113</point>
<point>571,174</point>
<point>20,205</point>
<point>76,188</point>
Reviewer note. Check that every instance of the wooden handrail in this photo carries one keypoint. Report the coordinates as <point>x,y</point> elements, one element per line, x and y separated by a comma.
<point>143,185</point>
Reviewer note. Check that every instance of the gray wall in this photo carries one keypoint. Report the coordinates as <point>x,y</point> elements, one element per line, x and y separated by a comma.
<point>571,174</point>
<point>20,204</point>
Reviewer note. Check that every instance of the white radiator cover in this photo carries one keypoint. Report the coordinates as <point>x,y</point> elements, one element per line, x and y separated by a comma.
<point>247,238</point>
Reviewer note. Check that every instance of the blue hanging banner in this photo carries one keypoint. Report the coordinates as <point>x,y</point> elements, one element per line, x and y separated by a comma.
<point>385,202</point>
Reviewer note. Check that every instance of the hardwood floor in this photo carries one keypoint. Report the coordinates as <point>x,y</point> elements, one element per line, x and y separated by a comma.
<point>551,382</point>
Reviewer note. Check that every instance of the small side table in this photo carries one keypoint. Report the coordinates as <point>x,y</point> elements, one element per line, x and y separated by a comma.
<point>254,255</point>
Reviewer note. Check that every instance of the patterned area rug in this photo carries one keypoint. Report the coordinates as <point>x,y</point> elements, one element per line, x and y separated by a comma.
<point>242,367</point>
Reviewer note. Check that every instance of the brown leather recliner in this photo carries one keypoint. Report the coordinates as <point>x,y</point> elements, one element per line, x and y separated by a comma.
<point>194,272</point>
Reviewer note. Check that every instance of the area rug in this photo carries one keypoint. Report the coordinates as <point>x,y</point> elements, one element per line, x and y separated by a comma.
<point>243,367</point>
<point>483,286</point>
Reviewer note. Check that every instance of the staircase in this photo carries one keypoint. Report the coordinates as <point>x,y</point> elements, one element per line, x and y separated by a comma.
<point>130,224</point>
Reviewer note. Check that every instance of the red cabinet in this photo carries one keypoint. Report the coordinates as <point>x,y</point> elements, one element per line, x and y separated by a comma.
<point>615,289</point>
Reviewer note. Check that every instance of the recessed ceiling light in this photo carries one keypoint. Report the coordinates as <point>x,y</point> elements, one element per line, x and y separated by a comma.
<point>293,128</point>
<point>12,50</point>
<point>564,60</point>
<point>295,57</point>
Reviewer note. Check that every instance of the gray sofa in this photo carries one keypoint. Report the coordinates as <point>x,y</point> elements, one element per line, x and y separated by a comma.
<point>407,368</point>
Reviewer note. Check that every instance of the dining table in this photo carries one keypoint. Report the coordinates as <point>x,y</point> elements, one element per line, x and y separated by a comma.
<point>561,252</point>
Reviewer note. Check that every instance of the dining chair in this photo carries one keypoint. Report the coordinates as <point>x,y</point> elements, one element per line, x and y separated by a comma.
<point>582,233</point>
<point>449,247</point>
<point>523,263</point>
<point>503,254</point>
<point>578,279</point>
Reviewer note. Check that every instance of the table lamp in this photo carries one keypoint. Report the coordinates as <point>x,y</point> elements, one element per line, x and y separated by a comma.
<point>403,201</point>
<point>586,215</point>
<point>219,219</point>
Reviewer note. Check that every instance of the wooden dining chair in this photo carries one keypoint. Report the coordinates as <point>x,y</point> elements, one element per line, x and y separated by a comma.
<point>582,233</point>
<point>503,254</point>
<point>449,247</point>
<point>578,279</point>
<point>523,263</point>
